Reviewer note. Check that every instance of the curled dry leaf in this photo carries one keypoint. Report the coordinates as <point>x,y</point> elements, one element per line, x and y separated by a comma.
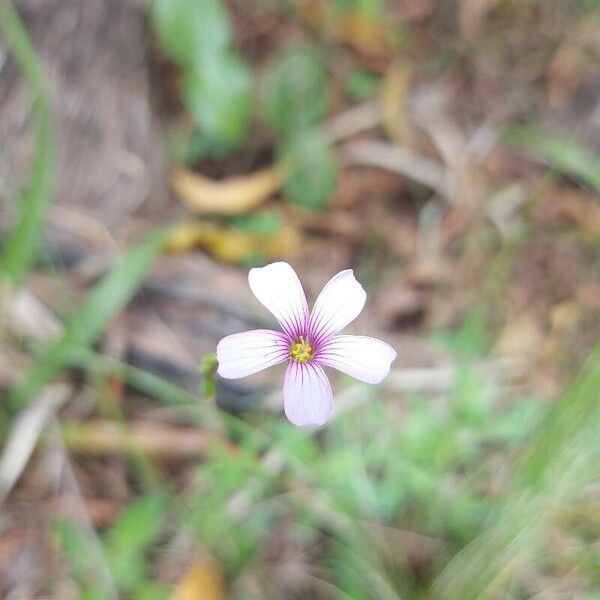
<point>202,581</point>
<point>232,245</point>
<point>232,196</point>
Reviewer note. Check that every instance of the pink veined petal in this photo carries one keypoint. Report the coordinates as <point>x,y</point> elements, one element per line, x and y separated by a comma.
<point>307,395</point>
<point>278,288</point>
<point>364,358</point>
<point>249,352</point>
<point>339,303</point>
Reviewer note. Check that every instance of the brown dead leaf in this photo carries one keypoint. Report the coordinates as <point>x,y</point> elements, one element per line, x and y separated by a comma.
<point>202,581</point>
<point>562,206</point>
<point>400,306</point>
<point>472,14</point>
<point>414,11</point>
<point>232,196</point>
<point>365,185</point>
<point>341,224</point>
<point>567,67</point>
<point>232,245</point>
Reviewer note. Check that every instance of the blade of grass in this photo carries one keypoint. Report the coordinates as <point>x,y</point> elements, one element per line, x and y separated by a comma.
<point>109,296</point>
<point>205,413</point>
<point>566,155</point>
<point>22,244</point>
<point>554,469</point>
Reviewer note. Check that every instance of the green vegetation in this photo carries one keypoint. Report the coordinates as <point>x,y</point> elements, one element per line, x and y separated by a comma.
<point>20,250</point>
<point>453,491</point>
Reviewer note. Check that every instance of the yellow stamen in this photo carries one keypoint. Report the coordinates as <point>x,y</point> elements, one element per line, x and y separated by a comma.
<point>301,350</point>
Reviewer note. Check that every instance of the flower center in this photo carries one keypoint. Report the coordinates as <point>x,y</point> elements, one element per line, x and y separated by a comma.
<point>301,350</point>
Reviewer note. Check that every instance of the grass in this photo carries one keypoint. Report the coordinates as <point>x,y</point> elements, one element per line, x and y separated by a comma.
<point>370,482</point>
<point>559,463</point>
<point>20,250</point>
<point>453,497</point>
<point>565,155</point>
<point>85,326</point>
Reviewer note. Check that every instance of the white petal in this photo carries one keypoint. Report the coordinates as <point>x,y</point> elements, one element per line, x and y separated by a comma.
<point>338,304</point>
<point>307,395</point>
<point>364,358</point>
<point>278,288</point>
<point>246,353</point>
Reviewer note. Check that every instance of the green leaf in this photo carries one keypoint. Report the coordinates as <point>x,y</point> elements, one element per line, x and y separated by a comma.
<point>295,92</point>
<point>131,536</point>
<point>516,422</point>
<point>149,590</point>
<point>217,84</point>
<point>567,155</point>
<point>472,404</point>
<point>361,85</point>
<point>264,222</point>
<point>23,242</point>
<point>469,340</point>
<point>192,30</point>
<point>313,171</point>
<point>218,95</point>
<point>369,8</point>
<point>86,325</point>
<point>81,552</point>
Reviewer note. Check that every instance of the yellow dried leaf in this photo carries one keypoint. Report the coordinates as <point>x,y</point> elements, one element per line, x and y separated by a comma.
<point>362,31</point>
<point>365,34</point>
<point>202,581</point>
<point>394,95</point>
<point>521,340</point>
<point>232,245</point>
<point>231,196</point>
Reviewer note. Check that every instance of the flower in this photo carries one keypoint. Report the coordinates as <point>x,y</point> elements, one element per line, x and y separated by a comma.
<point>308,341</point>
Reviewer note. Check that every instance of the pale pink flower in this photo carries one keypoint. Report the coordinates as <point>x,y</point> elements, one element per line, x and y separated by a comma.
<point>308,341</point>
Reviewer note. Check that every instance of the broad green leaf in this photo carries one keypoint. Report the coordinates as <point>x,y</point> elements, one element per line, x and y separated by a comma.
<point>295,92</point>
<point>218,94</point>
<point>192,30</point>
<point>565,154</point>
<point>217,84</point>
<point>313,171</point>
<point>23,241</point>
<point>86,325</point>
<point>263,222</point>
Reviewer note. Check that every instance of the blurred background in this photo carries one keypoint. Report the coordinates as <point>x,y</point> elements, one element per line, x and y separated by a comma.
<point>153,151</point>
